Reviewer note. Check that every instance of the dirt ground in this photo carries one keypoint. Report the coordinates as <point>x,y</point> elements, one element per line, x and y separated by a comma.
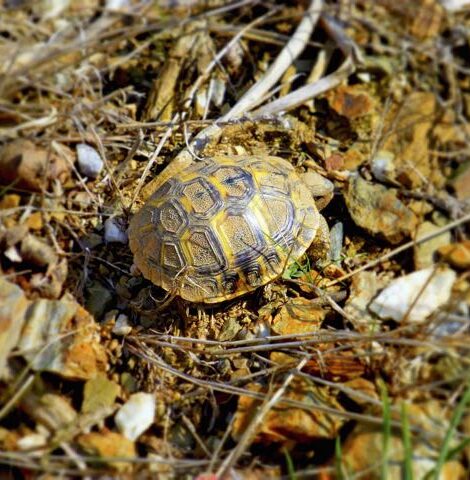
<point>350,364</point>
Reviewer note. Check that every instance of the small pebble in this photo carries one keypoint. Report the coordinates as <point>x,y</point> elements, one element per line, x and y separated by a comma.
<point>318,185</point>
<point>136,415</point>
<point>115,231</point>
<point>32,441</point>
<point>98,299</point>
<point>122,326</point>
<point>336,241</point>
<point>450,324</point>
<point>13,255</point>
<point>457,254</point>
<point>116,4</point>
<point>383,168</point>
<point>461,182</point>
<point>90,163</point>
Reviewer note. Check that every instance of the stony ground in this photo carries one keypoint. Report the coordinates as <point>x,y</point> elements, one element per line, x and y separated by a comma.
<point>355,366</point>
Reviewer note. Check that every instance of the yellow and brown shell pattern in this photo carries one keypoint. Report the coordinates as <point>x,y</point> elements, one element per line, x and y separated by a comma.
<point>223,227</point>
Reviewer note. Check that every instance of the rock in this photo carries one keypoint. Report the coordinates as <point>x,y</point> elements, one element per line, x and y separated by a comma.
<point>91,241</point>
<point>298,315</point>
<point>23,165</point>
<point>351,101</point>
<point>89,161</point>
<point>13,306</point>
<point>59,336</point>
<point>108,445</point>
<point>334,162</point>
<point>122,327</point>
<point>36,441</point>
<point>82,199</point>
<point>333,366</point>
<point>424,252</point>
<point>13,255</point>
<point>336,242</point>
<point>118,5</point>
<point>378,210</point>
<point>287,425</point>
<point>115,231</point>
<point>36,251</point>
<point>321,188</point>
<point>382,166</point>
<point>11,200</point>
<point>50,285</point>
<point>415,296</point>
<point>457,254</point>
<point>98,299</point>
<point>50,410</point>
<point>136,415</point>
<point>179,436</point>
<point>99,393</point>
<point>30,167</point>
<point>446,327</point>
<point>461,182</point>
<point>354,157</point>
<point>128,383</point>
<point>362,391</point>
<point>34,221</point>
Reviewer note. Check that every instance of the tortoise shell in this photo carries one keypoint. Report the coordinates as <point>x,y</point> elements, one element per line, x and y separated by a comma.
<point>223,227</point>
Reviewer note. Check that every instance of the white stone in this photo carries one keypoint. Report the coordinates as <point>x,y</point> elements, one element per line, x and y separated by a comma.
<point>114,231</point>
<point>116,4</point>
<point>383,168</point>
<point>455,5</point>
<point>90,162</point>
<point>122,327</point>
<point>136,415</point>
<point>32,441</point>
<point>13,255</point>
<point>415,296</point>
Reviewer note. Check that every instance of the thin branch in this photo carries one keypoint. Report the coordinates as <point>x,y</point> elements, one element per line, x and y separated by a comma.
<point>289,53</point>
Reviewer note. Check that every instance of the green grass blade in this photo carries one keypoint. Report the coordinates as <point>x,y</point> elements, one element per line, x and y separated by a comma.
<point>290,465</point>
<point>407,446</point>
<point>387,433</point>
<point>454,422</point>
<point>338,459</point>
<point>456,450</point>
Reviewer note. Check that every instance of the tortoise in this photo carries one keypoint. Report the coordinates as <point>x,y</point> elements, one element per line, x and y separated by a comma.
<point>222,227</point>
